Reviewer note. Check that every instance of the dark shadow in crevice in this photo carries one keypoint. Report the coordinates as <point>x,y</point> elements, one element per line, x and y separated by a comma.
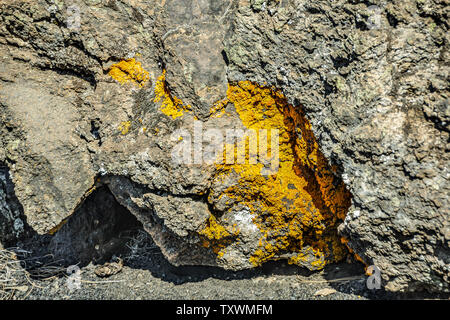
<point>13,226</point>
<point>95,232</point>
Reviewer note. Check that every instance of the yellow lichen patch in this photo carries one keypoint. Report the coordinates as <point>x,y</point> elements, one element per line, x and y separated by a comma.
<point>90,190</point>
<point>297,207</point>
<point>214,231</point>
<point>124,127</point>
<point>216,236</point>
<point>171,105</point>
<point>129,71</point>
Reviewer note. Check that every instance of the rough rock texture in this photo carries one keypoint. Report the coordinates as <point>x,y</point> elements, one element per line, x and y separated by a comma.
<point>370,77</point>
<point>377,97</point>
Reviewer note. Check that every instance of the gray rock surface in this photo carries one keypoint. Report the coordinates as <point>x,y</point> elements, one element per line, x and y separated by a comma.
<point>372,78</point>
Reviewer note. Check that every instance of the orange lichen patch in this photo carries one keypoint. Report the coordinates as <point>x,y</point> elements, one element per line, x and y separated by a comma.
<point>171,105</point>
<point>297,207</point>
<point>124,127</point>
<point>129,71</point>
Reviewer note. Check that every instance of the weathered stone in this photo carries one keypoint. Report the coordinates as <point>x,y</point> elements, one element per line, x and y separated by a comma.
<point>366,84</point>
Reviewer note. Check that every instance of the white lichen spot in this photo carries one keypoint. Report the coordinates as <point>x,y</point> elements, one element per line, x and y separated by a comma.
<point>102,171</point>
<point>244,221</point>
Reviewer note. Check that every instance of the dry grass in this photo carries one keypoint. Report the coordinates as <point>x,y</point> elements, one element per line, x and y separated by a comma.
<point>140,246</point>
<point>15,277</point>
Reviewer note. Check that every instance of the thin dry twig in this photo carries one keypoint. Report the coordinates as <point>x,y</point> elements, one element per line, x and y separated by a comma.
<point>12,275</point>
<point>101,282</point>
<point>344,279</point>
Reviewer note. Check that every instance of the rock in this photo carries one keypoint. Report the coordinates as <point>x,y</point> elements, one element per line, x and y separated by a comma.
<point>366,90</point>
<point>358,93</point>
<point>324,292</point>
<point>109,268</point>
<point>52,166</point>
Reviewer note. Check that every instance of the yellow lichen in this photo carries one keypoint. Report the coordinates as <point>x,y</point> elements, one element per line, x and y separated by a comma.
<point>217,236</point>
<point>214,231</point>
<point>124,127</point>
<point>296,208</point>
<point>129,71</point>
<point>171,105</point>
